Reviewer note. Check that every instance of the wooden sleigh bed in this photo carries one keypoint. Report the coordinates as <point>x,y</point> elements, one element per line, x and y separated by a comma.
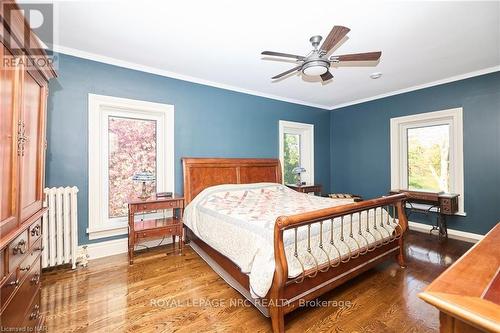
<point>286,294</point>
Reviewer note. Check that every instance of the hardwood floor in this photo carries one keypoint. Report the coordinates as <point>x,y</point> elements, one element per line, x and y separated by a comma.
<point>162,293</point>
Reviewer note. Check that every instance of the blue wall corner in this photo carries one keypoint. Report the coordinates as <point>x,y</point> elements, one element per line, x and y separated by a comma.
<point>360,144</point>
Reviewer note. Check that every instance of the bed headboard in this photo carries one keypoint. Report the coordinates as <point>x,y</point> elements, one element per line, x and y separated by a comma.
<point>200,173</point>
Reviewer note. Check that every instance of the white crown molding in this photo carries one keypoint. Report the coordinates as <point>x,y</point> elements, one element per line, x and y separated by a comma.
<point>161,72</point>
<point>169,74</point>
<point>421,86</point>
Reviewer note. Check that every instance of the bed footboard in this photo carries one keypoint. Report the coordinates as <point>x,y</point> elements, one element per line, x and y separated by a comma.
<point>365,243</point>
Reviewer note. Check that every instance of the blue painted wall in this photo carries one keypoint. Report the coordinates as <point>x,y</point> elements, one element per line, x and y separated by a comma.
<point>360,150</point>
<point>208,122</point>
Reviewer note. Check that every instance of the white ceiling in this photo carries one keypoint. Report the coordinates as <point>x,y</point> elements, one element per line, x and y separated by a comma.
<point>219,42</point>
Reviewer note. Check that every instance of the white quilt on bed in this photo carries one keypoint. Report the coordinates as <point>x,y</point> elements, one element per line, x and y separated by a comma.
<point>238,221</point>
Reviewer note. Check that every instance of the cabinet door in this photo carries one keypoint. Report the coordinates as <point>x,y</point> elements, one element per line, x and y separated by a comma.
<point>9,88</point>
<point>33,153</point>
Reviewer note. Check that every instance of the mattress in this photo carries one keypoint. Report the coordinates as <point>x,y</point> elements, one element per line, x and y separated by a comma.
<point>238,221</point>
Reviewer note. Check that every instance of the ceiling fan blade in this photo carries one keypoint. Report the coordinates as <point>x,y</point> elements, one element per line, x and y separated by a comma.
<point>368,56</point>
<point>287,72</point>
<point>286,55</point>
<point>334,37</point>
<point>327,76</point>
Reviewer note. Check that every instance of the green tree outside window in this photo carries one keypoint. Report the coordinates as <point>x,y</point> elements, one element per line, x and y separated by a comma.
<point>292,156</point>
<point>429,158</point>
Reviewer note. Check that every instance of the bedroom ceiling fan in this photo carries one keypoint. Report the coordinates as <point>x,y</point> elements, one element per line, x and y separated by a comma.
<point>316,62</point>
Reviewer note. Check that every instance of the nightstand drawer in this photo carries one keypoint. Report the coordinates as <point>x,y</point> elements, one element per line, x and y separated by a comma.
<point>159,205</point>
<point>158,232</point>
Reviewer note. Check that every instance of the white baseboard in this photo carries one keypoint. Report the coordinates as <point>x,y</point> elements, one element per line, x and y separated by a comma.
<point>452,233</point>
<point>118,246</point>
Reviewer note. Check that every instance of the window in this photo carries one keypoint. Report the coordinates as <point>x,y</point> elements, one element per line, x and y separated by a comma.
<point>296,144</point>
<point>125,137</point>
<point>131,148</point>
<point>427,152</point>
<point>429,158</point>
<point>291,157</point>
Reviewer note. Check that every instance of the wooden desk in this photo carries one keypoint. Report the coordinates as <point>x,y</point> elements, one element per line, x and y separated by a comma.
<point>468,293</point>
<point>154,228</point>
<point>444,203</point>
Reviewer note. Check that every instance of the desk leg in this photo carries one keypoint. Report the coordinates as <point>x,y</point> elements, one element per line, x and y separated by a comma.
<point>443,228</point>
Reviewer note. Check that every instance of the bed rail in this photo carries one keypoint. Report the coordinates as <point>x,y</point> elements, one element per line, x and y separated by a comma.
<point>365,227</point>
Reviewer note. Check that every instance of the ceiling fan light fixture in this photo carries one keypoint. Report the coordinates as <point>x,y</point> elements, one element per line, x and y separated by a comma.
<point>315,68</point>
<point>317,63</point>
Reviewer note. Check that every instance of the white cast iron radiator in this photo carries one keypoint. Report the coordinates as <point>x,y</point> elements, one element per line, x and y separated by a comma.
<point>60,227</point>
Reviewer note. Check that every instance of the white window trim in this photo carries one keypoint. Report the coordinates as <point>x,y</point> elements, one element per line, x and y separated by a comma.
<point>399,125</point>
<point>303,129</point>
<point>99,225</point>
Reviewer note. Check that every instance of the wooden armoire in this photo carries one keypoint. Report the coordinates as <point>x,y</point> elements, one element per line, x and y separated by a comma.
<point>23,97</point>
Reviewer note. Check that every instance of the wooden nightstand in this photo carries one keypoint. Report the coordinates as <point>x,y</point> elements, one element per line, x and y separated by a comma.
<point>158,227</point>
<point>316,189</point>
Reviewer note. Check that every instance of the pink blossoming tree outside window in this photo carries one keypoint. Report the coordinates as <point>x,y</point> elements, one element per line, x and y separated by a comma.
<point>132,148</point>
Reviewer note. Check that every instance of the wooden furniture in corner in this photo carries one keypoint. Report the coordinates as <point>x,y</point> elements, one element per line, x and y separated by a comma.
<point>467,294</point>
<point>445,204</point>
<point>154,227</point>
<point>315,189</point>
<point>286,294</point>
<point>23,99</point>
